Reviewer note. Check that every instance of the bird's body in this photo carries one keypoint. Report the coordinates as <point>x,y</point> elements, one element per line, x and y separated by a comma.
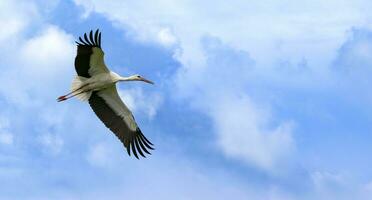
<point>99,81</point>
<point>97,85</point>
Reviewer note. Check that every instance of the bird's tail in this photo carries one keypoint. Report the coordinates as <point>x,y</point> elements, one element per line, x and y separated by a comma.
<point>77,83</point>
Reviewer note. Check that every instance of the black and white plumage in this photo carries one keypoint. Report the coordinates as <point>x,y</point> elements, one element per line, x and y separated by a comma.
<point>95,83</point>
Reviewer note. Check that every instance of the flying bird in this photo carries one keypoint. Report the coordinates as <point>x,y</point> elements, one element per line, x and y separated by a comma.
<point>96,84</point>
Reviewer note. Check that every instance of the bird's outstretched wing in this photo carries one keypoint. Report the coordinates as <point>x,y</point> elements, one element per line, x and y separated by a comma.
<point>89,59</point>
<point>111,110</point>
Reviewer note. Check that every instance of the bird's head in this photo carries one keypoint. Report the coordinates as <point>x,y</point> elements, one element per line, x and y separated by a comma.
<point>137,77</point>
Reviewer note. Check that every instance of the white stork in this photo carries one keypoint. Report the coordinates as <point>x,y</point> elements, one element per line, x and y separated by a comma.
<point>95,83</point>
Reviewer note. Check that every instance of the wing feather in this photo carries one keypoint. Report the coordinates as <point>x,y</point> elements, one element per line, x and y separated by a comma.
<point>138,147</point>
<point>89,60</point>
<point>99,40</point>
<point>111,110</point>
<point>91,37</point>
<point>96,38</point>
<point>86,39</point>
<point>143,147</point>
<point>82,41</point>
<point>133,148</point>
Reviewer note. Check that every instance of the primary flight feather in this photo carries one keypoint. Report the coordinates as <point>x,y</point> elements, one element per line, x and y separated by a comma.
<point>96,84</point>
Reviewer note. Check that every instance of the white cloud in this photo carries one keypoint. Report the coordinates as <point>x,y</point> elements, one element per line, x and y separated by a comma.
<point>323,180</point>
<point>267,29</point>
<point>336,185</point>
<point>33,64</point>
<point>143,177</point>
<point>244,126</point>
<point>166,37</point>
<point>46,57</point>
<point>244,133</point>
<point>15,16</point>
<point>52,45</point>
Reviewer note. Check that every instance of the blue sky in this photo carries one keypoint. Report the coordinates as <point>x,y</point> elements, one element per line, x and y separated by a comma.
<point>260,100</point>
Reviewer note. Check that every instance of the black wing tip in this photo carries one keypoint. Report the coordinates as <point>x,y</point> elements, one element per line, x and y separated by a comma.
<point>91,41</point>
<point>139,145</point>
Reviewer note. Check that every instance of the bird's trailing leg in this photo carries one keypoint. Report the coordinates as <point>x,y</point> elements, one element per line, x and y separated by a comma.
<point>62,98</point>
<point>67,96</point>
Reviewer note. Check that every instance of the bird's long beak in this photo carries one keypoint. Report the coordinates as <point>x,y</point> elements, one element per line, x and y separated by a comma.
<point>147,81</point>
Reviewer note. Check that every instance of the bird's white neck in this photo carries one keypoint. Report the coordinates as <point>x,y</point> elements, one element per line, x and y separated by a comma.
<point>129,78</point>
<point>117,77</point>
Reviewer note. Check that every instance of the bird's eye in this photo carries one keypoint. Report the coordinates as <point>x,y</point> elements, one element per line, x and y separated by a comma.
<point>138,76</point>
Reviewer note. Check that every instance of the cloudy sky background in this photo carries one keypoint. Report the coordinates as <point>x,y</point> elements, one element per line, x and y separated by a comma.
<point>253,100</point>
